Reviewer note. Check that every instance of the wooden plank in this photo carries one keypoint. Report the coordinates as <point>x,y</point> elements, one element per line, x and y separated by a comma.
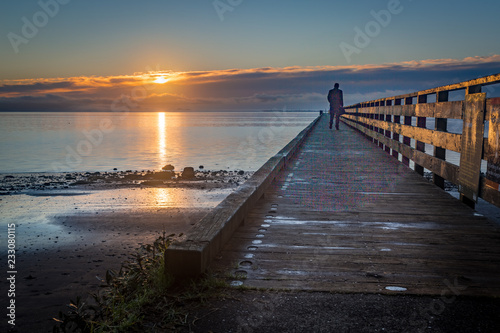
<point>438,166</point>
<point>491,103</point>
<point>450,110</point>
<point>441,124</point>
<point>420,146</point>
<point>449,141</point>
<point>472,145</point>
<point>388,118</point>
<point>492,152</point>
<point>490,191</point>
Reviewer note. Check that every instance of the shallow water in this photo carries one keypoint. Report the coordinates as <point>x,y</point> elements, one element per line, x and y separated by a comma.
<point>33,213</point>
<point>38,206</point>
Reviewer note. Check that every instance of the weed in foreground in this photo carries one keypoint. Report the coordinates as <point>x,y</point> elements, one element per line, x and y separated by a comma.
<point>141,297</point>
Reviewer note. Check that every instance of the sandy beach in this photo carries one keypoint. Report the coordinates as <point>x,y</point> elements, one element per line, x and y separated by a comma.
<point>66,238</point>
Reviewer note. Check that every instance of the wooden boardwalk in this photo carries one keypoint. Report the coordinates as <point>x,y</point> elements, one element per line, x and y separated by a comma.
<point>345,216</point>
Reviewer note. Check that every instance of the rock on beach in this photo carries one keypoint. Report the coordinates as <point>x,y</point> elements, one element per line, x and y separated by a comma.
<point>188,173</point>
<point>168,167</point>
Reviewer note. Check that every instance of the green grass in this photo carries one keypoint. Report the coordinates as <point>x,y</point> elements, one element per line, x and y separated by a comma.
<point>141,297</point>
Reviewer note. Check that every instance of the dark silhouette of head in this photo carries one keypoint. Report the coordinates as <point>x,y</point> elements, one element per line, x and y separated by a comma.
<point>336,86</point>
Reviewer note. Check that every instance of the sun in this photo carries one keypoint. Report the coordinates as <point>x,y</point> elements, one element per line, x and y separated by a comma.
<point>161,79</point>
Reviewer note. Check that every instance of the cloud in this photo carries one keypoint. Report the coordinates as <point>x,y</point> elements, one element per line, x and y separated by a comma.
<point>255,88</point>
<point>34,87</point>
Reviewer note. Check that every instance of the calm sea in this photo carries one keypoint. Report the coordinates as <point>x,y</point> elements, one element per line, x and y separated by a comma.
<point>95,141</point>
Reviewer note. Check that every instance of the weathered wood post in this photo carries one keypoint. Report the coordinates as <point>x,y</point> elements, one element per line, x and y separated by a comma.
<point>421,123</point>
<point>388,118</point>
<point>397,119</point>
<point>380,117</point>
<point>365,117</point>
<point>442,126</point>
<point>492,180</point>
<point>472,145</point>
<point>370,116</point>
<point>407,140</point>
<point>375,117</point>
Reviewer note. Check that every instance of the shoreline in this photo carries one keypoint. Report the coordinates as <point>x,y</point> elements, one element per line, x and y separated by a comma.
<point>31,183</point>
<point>67,237</point>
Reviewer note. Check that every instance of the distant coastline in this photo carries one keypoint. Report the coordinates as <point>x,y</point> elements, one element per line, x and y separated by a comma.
<point>182,111</point>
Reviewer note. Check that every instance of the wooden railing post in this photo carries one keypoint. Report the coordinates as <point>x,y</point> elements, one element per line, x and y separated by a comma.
<point>407,140</point>
<point>381,117</point>
<point>371,116</point>
<point>388,118</point>
<point>472,145</point>
<point>421,122</point>
<point>366,116</point>
<point>442,126</point>
<point>376,117</point>
<point>491,188</point>
<point>395,136</point>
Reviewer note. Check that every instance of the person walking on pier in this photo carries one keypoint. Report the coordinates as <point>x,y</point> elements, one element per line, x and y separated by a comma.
<point>336,99</point>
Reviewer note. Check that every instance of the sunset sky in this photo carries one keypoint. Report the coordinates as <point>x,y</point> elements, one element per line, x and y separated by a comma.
<point>75,55</point>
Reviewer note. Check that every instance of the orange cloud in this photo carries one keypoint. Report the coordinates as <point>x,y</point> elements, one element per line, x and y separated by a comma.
<point>254,88</point>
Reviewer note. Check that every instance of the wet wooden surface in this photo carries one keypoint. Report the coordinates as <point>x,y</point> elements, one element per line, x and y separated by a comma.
<point>345,216</point>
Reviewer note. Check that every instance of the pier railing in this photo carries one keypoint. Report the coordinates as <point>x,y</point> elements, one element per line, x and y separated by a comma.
<point>398,125</point>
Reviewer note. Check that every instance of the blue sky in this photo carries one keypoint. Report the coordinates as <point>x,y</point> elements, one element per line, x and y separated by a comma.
<point>116,38</point>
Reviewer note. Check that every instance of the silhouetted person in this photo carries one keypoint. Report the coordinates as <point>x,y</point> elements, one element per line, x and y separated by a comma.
<point>336,99</point>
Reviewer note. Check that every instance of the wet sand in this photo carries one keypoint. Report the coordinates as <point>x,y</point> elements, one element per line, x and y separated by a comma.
<point>50,277</point>
<point>66,238</point>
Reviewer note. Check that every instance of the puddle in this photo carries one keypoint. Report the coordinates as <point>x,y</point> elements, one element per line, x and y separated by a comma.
<point>315,233</point>
<point>291,272</point>
<point>236,283</point>
<point>241,274</point>
<point>246,263</point>
<point>394,288</point>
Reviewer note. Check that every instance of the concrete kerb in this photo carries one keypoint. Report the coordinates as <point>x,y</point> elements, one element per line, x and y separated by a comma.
<point>192,257</point>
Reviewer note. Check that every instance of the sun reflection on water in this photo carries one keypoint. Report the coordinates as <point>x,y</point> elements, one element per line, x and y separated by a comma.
<point>165,197</point>
<point>162,138</point>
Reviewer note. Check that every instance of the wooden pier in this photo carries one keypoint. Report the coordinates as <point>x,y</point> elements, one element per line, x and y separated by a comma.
<point>340,214</point>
